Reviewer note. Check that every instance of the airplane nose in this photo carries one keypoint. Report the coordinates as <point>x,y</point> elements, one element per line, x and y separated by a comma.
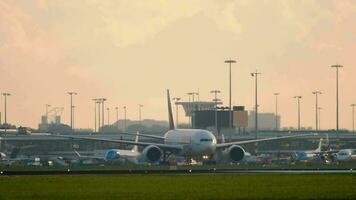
<point>209,149</point>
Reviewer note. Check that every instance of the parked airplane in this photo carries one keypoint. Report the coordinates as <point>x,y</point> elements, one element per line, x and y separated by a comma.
<point>194,144</point>
<point>3,156</point>
<point>312,155</point>
<point>346,155</point>
<point>132,156</point>
<point>322,153</point>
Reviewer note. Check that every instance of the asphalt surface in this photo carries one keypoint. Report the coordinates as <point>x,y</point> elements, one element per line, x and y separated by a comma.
<point>182,172</point>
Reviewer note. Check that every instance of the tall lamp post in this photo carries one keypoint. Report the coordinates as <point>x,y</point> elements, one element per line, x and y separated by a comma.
<point>124,118</point>
<point>108,109</point>
<point>255,74</point>
<point>5,111</point>
<point>319,118</point>
<point>103,111</point>
<point>353,117</point>
<point>95,101</point>
<point>298,101</point>
<point>216,100</point>
<point>316,108</point>
<point>47,106</point>
<point>71,108</point>
<point>139,113</point>
<point>276,109</point>
<point>99,114</point>
<point>337,97</point>
<point>176,99</point>
<point>190,108</point>
<point>117,117</point>
<point>230,61</point>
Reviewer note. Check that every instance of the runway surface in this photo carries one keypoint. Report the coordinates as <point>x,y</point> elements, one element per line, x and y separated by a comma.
<point>177,172</point>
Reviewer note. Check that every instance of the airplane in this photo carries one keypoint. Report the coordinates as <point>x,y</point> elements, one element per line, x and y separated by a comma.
<point>346,155</point>
<point>322,153</point>
<point>197,144</point>
<point>312,155</point>
<point>132,156</point>
<point>3,156</point>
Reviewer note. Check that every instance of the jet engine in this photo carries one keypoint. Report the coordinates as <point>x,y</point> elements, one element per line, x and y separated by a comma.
<point>112,155</point>
<point>234,153</point>
<point>152,153</point>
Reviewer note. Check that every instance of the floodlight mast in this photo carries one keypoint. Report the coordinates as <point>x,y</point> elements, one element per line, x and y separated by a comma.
<point>337,66</point>
<point>255,74</point>
<point>276,109</point>
<point>230,61</point>
<point>316,108</point>
<point>298,101</point>
<point>71,108</point>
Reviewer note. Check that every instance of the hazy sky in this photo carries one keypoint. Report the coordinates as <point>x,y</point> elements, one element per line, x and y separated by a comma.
<point>131,51</point>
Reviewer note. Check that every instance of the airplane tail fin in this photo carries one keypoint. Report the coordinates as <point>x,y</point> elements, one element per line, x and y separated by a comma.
<point>170,114</point>
<point>222,138</point>
<point>135,148</point>
<point>320,145</point>
<point>78,154</point>
<point>327,140</point>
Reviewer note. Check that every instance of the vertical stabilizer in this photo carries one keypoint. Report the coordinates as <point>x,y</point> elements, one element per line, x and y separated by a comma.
<point>135,147</point>
<point>327,140</point>
<point>222,138</point>
<point>319,146</point>
<point>170,114</point>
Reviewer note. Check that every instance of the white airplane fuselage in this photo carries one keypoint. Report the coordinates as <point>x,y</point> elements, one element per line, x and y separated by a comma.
<point>345,155</point>
<point>195,142</point>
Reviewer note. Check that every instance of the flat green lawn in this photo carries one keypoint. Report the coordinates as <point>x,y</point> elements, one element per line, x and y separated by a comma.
<point>328,186</point>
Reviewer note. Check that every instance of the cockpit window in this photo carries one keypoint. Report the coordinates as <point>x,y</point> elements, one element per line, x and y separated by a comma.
<point>206,140</point>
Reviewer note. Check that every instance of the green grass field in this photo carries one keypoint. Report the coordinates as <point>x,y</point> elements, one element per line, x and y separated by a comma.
<point>329,186</point>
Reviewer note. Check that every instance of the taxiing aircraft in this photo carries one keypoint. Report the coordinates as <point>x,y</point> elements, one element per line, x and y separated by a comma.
<point>197,144</point>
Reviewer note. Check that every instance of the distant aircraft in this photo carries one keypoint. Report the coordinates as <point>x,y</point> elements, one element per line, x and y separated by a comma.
<point>312,155</point>
<point>197,144</point>
<point>132,156</point>
<point>3,156</point>
<point>346,155</point>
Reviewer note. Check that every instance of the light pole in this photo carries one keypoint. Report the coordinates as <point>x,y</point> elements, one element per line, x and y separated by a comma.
<point>176,99</point>
<point>95,102</point>
<point>190,108</point>
<point>117,117</point>
<point>230,61</point>
<point>255,74</point>
<point>125,118</point>
<point>319,118</point>
<point>103,111</point>
<point>139,113</point>
<point>276,109</point>
<point>337,97</point>
<point>47,106</point>
<point>298,100</point>
<point>108,109</point>
<point>216,100</point>
<point>99,122</point>
<point>316,108</point>
<point>353,117</point>
<point>5,111</point>
<point>71,108</point>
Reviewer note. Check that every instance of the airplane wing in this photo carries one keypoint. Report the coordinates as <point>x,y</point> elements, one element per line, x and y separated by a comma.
<point>224,145</point>
<point>167,147</point>
<point>89,157</point>
<point>144,135</point>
